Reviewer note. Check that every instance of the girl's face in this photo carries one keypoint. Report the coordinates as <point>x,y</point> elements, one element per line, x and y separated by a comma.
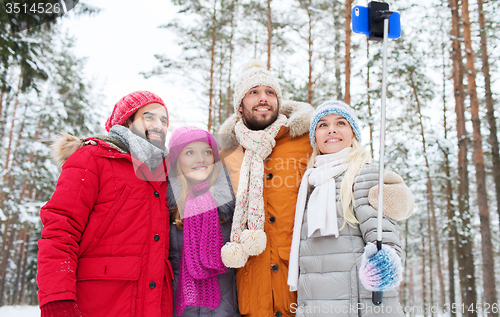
<point>197,161</point>
<point>333,134</point>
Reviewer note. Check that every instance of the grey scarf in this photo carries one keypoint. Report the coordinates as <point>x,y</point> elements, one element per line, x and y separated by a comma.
<point>139,148</point>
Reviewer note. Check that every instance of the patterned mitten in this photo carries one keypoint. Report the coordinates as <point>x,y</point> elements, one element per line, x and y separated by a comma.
<point>380,270</point>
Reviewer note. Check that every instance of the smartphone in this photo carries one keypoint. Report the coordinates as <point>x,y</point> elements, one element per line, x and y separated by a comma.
<point>361,22</point>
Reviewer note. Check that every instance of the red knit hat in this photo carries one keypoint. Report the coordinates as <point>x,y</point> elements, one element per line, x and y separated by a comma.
<point>129,104</point>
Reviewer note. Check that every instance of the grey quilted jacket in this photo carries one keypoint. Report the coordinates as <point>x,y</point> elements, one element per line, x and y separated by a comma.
<point>328,280</point>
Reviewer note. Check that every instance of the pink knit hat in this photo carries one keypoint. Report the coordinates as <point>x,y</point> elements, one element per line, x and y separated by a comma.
<point>184,136</point>
<point>129,104</point>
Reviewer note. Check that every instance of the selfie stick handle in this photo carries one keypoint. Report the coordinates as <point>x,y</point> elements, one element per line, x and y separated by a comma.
<point>377,296</point>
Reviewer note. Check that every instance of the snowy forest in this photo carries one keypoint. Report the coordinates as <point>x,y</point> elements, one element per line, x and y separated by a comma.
<point>442,113</point>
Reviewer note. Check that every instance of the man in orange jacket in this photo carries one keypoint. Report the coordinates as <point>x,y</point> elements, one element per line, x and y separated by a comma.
<point>266,155</point>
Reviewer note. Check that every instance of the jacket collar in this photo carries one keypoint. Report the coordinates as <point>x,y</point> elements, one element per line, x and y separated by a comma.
<point>66,144</point>
<point>298,119</point>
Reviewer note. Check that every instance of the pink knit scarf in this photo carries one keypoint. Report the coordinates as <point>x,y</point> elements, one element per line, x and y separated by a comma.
<point>200,259</point>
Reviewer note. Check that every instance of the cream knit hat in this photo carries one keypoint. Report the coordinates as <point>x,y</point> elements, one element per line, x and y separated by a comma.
<point>254,74</point>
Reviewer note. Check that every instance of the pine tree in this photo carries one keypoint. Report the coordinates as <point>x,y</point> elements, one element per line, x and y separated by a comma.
<point>492,122</point>
<point>347,69</point>
<point>464,239</point>
<point>60,100</point>
<point>482,196</point>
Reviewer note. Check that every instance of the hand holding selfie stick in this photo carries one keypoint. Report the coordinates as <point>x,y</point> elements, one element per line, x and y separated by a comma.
<point>374,22</point>
<point>377,296</point>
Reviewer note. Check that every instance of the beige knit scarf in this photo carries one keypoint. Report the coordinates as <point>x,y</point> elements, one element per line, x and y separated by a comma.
<point>247,232</point>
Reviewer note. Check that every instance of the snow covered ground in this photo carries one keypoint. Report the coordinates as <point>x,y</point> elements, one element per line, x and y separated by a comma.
<point>19,311</point>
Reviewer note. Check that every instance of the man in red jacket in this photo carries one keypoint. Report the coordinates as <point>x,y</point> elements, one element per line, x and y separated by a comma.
<point>105,240</point>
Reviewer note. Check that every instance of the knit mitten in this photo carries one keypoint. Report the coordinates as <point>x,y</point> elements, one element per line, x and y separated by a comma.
<point>380,270</point>
<point>398,199</point>
<point>60,308</point>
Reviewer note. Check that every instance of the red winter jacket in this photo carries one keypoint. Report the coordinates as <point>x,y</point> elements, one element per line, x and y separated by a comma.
<point>105,238</point>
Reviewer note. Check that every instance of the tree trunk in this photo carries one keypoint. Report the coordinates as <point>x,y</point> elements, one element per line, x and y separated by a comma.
<point>269,33</point>
<point>22,299</point>
<point>229,94</point>
<point>424,281</point>
<point>464,241</point>
<point>310,91</point>
<point>452,233</point>
<point>5,260</point>
<point>11,135</point>
<point>347,93</point>
<point>411,292</point>
<point>32,155</point>
<point>337,54</point>
<point>368,94</point>
<point>20,265</point>
<point>4,246</point>
<point>490,114</point>
<point>212,65</point>
<point>490,293</point>
<point>430,191</point>
<point>431,259</point>
<point>451,225</point>
<point>220,89</point>
<point>9,147</point>
<point>3,90</point>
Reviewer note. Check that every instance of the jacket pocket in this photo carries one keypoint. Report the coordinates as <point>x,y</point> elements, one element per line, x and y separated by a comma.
<point>284,253</point>
<point>167,300</point>
<point>109,268</point>
<point>169,273</point>
<point>108,286</point>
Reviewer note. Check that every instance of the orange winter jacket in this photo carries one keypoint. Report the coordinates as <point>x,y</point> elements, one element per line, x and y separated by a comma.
<point>262,282</point>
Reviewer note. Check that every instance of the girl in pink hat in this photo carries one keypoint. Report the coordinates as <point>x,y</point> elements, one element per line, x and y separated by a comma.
<point>201,204</point>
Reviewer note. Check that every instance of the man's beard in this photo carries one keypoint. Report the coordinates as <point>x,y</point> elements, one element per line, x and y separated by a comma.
<point>253,124</point>
<point>158,144</point>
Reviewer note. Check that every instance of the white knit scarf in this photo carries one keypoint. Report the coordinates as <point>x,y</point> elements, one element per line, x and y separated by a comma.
<point>249,212</point>
<point>321,207</point>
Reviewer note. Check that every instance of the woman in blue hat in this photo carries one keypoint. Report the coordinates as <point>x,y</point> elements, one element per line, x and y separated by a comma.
<point>333,266</point>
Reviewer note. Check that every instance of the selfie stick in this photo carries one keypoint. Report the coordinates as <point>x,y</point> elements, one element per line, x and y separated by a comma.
<point>377,296</point>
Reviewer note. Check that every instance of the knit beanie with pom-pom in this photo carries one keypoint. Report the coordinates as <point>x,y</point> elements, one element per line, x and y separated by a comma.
<point>254,74</point>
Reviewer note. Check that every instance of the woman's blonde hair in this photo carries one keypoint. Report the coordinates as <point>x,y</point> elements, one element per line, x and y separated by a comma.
<point>175,212</point>
<point>356,159</point>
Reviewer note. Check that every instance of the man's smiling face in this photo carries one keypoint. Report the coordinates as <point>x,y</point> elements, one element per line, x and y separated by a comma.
<point>259,108</point>
<point>150,122</point>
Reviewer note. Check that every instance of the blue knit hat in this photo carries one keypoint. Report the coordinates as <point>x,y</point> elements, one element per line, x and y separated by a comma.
<point>334,107</point>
